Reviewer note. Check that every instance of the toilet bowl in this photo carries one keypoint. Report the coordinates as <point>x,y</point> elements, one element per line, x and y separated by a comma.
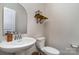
<point>40,44</point>
<point>50,51</point>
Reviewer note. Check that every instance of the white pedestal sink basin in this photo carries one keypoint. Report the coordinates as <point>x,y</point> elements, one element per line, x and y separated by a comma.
<point>17,45</point>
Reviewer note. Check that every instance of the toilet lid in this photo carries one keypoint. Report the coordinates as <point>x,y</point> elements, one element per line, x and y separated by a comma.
<point>50,50</point>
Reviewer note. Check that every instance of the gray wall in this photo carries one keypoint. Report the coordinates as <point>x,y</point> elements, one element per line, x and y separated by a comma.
<point>21,16</point>
<point>62,29</point>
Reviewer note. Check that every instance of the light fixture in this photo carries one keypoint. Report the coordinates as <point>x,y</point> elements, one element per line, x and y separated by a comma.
<point>39,17</point>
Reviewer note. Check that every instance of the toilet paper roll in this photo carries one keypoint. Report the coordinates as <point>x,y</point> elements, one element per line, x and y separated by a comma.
<point>74,46</point>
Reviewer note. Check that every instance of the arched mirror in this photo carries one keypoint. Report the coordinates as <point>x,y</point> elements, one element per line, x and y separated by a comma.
<point>14,18</point>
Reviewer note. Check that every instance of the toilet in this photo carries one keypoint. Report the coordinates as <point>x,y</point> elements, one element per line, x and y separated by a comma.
<point>40,44</point>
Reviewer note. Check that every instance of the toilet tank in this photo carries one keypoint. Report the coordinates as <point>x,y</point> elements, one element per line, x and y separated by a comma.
<point>40,43</point>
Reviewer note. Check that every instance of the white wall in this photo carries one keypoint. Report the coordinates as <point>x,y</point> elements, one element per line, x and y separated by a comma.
<point>34,29</point>
<point>63,26</point>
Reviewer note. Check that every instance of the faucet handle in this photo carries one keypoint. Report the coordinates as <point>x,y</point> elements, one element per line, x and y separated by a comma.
<point>20,36</point>
<point>16,36</point>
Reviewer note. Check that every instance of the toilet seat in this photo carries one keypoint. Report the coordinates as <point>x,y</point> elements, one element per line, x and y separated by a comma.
<point>50,51</point>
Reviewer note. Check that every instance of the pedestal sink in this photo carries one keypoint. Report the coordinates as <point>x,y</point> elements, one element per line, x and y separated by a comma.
<point>17,45</point>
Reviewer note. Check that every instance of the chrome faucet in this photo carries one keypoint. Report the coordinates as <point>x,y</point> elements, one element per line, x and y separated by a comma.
<point>17,36</point>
